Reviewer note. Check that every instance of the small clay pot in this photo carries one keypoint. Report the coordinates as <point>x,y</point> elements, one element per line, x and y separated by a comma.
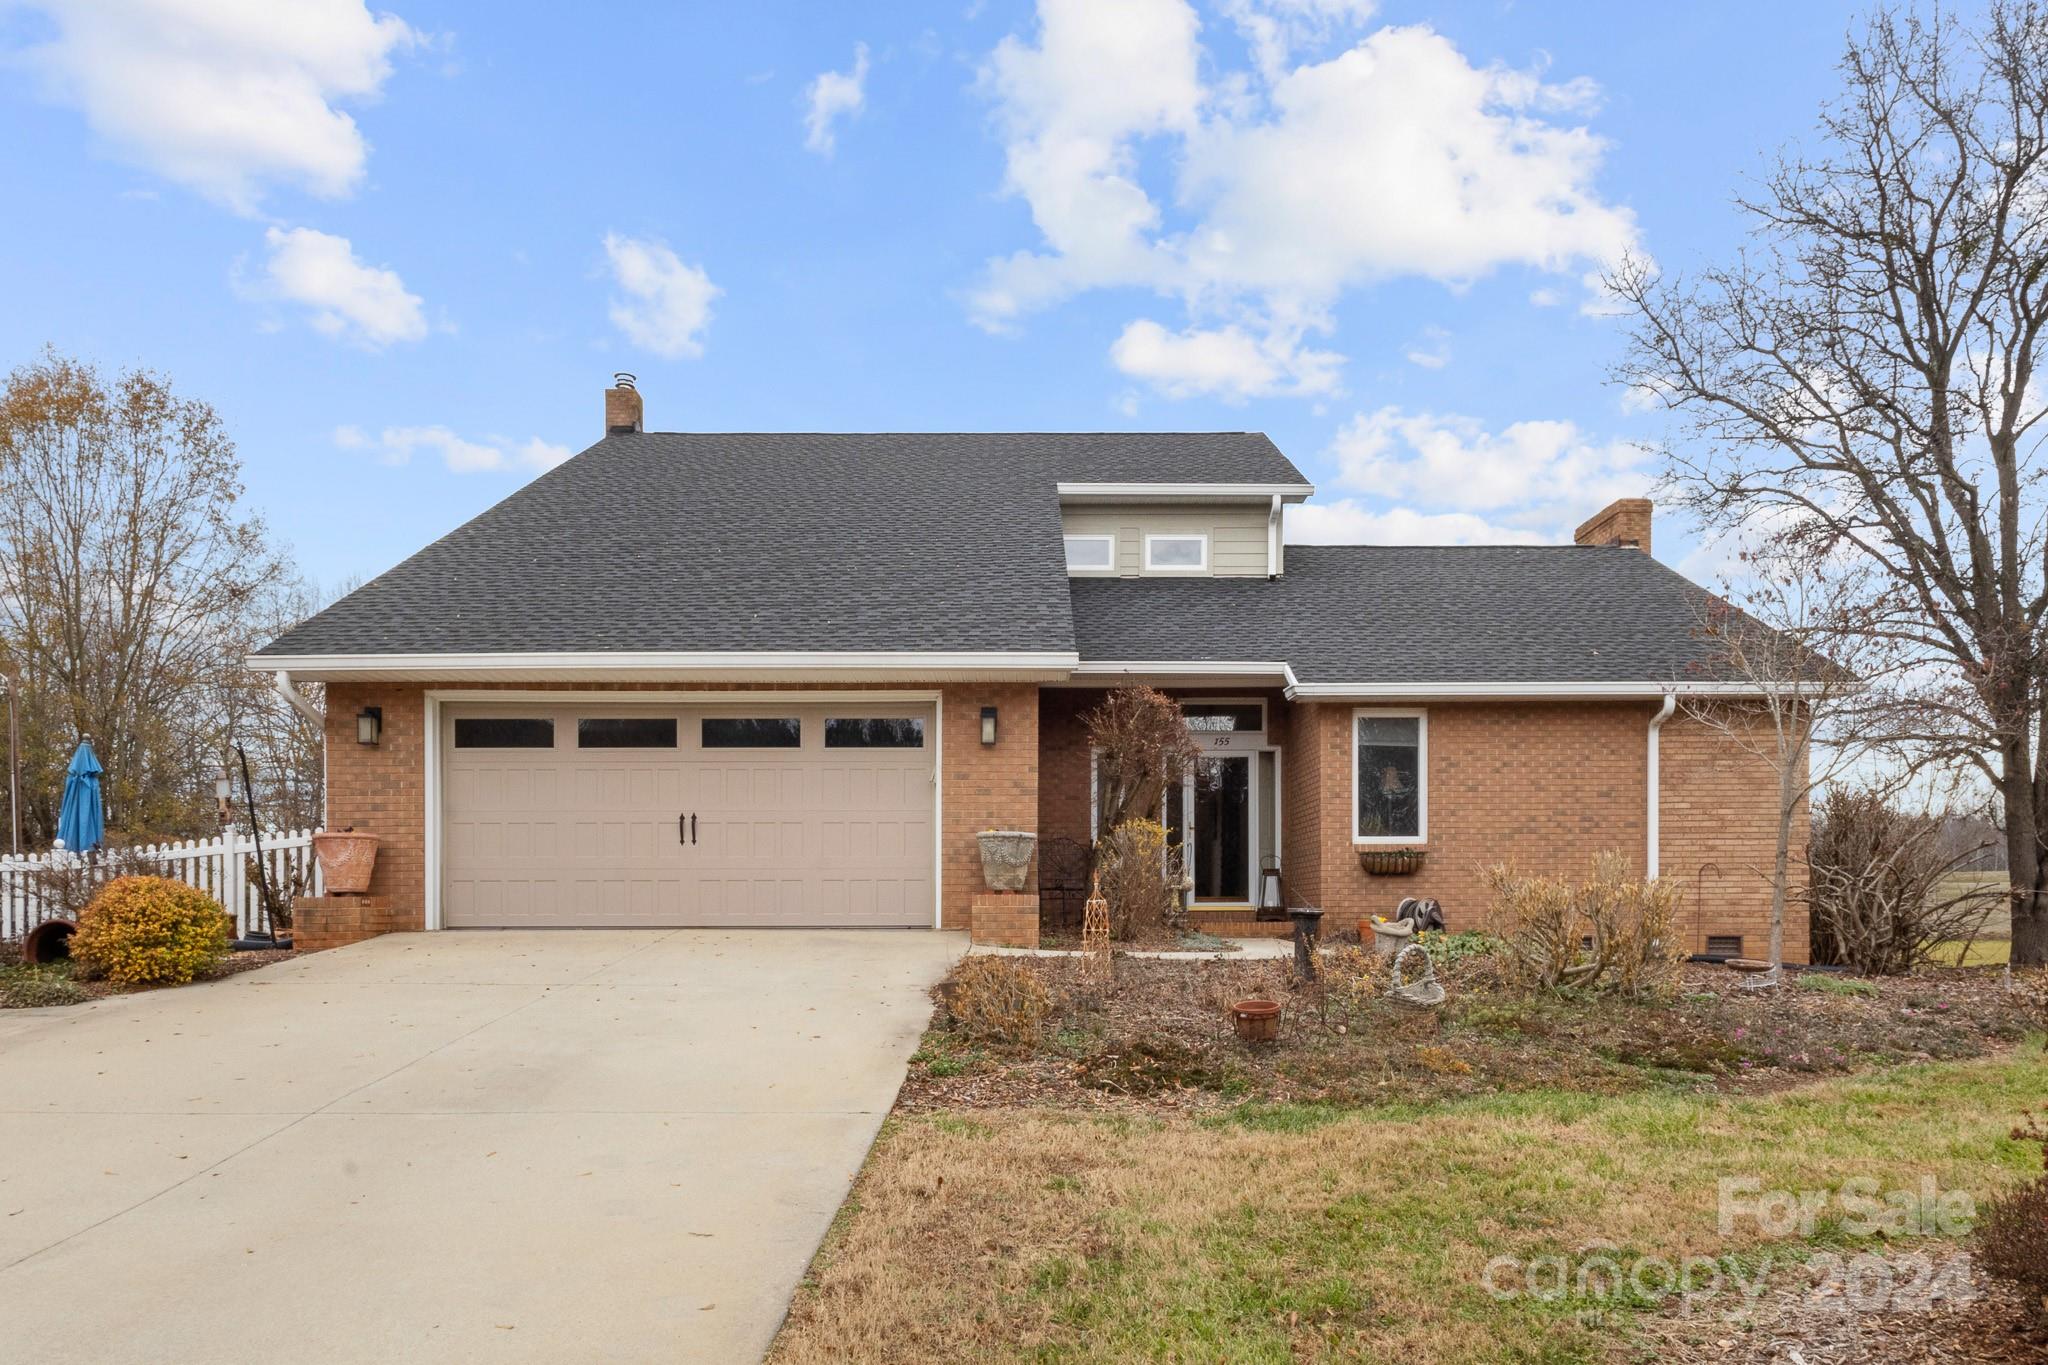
<point>1256,1021</point>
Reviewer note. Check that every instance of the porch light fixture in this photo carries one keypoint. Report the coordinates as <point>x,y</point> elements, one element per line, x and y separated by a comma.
<point>988,725</point>
<point>223,790</point>
<point>369,724</point>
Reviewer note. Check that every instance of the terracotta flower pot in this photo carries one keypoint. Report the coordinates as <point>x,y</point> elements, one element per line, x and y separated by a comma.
<point>1256,1021</point>
<point>1006,857</point>
<point>346,860</point>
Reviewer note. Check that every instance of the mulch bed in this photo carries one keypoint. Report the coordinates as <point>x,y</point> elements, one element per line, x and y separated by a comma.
<point>1158,1037</point>
<point>1955,1314</point>
<point>78,992</point>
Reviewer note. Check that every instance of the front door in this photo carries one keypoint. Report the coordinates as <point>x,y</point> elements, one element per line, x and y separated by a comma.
<point>1221,849</point>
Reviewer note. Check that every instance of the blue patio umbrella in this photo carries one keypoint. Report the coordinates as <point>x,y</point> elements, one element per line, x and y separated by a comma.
<point>83,821</point>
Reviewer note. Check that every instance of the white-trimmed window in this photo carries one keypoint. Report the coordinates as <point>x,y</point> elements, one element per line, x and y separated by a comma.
<point>1389,776</point>
<point>1091,554</point>
<point>1177,554</point>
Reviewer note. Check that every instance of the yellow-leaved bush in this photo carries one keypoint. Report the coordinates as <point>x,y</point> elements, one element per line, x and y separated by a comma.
<point>151,931</point>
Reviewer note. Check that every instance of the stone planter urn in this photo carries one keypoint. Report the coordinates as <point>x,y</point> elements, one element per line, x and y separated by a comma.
<point>346,860</point>
<point>1391,936</point>
<point>1006,857</point>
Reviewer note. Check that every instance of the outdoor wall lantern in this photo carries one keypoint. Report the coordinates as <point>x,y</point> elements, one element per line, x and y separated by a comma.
<point>223,789</point>
<point>988,725</point>
<point>369,724</point>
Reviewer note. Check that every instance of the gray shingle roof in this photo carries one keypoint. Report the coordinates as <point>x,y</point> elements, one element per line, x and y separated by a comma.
<point>1398,614</point>
<point>683,542</point>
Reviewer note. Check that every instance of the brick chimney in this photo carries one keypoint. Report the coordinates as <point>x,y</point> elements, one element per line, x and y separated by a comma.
<point>622,406</point>
<point>1625,521</point>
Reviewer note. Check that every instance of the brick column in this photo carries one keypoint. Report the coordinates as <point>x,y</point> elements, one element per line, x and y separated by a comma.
<point>1008,919</point>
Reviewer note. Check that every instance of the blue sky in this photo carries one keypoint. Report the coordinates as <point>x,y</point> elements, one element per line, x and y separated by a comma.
<point>403,251</point>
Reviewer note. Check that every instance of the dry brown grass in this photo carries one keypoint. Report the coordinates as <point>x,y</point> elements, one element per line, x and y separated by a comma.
<point>1293,1233</point>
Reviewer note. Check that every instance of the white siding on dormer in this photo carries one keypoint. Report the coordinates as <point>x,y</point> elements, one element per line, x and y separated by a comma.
<point>1237,535</point>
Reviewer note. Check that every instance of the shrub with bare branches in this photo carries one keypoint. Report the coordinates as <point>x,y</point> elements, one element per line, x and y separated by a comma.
<point>1613,931</point>
<point>1142,880</point>
<point>1001,1000</point>
<point>1143,746</point>
<point>1877,885</point>
<point>2012,1229</point>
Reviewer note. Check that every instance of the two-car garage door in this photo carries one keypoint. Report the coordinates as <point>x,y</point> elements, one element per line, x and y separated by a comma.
<point>765,813</point>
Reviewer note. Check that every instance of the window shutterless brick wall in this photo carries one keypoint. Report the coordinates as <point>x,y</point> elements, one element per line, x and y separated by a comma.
<point>1546,786</point>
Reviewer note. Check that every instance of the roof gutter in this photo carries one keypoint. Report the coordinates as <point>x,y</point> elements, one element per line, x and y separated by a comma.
<point>1153,492</point>
<point>1588,691</point>
<point>1653,781</point>
<point>719,665</point>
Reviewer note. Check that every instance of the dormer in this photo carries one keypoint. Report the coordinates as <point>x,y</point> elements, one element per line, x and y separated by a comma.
<point>1180,530</point>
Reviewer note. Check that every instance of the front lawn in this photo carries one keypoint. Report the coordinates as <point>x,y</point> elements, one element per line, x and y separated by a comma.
<point>1288,1231</point>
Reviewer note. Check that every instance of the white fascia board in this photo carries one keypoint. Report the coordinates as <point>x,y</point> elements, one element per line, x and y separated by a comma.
<point>598,664</point>
<point>1149,492</point>
<point>1645,691</point>
<point>1208,668</point>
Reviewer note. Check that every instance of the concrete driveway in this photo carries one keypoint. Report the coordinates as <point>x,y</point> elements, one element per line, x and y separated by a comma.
<point>552,1146</point>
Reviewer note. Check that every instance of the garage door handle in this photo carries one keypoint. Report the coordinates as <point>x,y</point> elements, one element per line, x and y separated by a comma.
<point>693,827</point>
<point>681,838</point>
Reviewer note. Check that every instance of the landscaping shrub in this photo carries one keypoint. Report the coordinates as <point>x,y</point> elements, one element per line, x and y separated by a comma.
<point>1612,931</point>
<point>1141,880</point>
<point>999,1000</point>
<point>1875,891</point>
<point>148,931</point>
<point>1142,748</point>
<point>2012,1229</point>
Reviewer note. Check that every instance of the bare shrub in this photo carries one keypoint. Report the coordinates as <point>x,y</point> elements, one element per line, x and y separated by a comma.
<point>1143,746</point>
<point>1875,885</point>
<point>2012,1229</point>
<point>1613,931</point>
<point>1000,1000</point>
<point>1351,980</point>
<point>1141,880</point>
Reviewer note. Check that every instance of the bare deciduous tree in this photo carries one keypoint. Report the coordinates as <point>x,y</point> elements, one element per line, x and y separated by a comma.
<point>131,585</point>
<point>1863,380</point>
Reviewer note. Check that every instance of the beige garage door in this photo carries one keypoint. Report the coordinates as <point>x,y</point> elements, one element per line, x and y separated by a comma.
<point>765,813</point>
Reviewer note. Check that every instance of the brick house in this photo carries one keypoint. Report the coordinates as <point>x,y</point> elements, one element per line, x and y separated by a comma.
<point>785,679</point>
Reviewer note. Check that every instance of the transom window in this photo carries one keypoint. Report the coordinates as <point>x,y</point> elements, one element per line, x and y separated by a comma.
<point>751,732</point>
<point>626,732</point>
<point>1177,553</point>
<point>504,732</point>
<point>1390,776</point>
<point>1224,717</point>
<point>1091,553</point>
<point>882,732</point>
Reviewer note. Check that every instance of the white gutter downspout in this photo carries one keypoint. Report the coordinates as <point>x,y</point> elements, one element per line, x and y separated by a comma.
<point>299,703</point>
<point>1273,540</point>
<point>1656,724</point>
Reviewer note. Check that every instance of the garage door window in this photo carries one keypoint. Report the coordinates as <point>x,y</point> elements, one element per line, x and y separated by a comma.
<point>626,732</point>
<point>751,733</point>
<point>885,732</point>
<point>502,732</point>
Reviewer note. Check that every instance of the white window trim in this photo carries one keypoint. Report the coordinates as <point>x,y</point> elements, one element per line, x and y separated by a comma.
<point>1107,541</point>
<point>1201,536</point>
<point>1421,717</point>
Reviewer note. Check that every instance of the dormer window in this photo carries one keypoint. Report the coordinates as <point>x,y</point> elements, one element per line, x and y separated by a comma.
<point>1091,554</point>
<point>1177,554</point>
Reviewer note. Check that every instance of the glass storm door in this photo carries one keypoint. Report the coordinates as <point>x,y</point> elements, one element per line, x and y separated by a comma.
<point>1220,855</point>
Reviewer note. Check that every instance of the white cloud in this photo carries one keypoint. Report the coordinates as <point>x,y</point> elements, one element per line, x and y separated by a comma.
<point>1349,522</point>
<point>1433,352</point>
<point>1225,362</point>
<point>666,304</point>
<point>1543,472</point>
<point>364,303</point>
<point>835,95</point>
<point>397,445</point>
<point>224,97</point>
<point>1290,183</point>
<point>1545,298</point>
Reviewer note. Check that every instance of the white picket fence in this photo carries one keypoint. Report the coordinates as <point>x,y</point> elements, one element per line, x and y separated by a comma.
<point>222,868</point>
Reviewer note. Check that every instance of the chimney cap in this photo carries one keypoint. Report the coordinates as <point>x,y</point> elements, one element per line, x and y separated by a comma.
<point>622,380</point>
